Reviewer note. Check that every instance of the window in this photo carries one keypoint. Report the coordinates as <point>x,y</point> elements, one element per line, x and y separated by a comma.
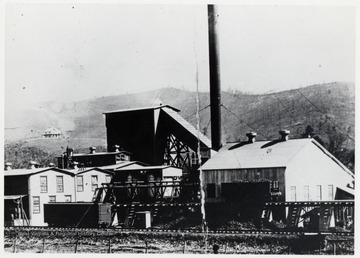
<point>43,184</point>
<point>210,191</point>
<point>318,193</point>
<point>107,179</point>
<point>80,183</point>
<point>52,198</point>
<point>306,193</point>
<point>94,183</point>
<point>59,184</point>
<point>274,186</point>
<point>67,198</point>
<point>293,193</point>
<point>36,204</point>
<point>331,192</point>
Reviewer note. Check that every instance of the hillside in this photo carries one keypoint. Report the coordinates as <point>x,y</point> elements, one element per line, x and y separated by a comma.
<point>327,110</point>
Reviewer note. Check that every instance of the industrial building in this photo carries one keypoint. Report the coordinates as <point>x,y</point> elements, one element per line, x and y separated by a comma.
<point>156,135</point>
<point>283,170</point>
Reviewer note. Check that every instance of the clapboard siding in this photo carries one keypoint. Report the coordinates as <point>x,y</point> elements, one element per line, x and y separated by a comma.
<point>218,177</point>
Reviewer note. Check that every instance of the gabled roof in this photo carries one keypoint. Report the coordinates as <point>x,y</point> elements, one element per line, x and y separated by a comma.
<point>255,155</point>
<point>141,108</point>
<point>124,164</point>
<point>262,154</point>
<point>149,168</point>
<point>79,172</point>
<point>29,172</point>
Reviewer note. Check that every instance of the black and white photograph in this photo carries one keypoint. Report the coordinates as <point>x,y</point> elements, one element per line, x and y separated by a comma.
<point>173,127</point>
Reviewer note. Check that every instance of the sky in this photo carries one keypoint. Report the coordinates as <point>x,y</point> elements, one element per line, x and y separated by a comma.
<point>69,52</point>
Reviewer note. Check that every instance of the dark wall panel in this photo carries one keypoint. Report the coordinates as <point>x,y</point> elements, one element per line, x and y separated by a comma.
<point>134,132</point>
<point>236,175</point>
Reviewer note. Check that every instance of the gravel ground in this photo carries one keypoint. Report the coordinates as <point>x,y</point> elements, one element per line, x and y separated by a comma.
<point>170,242</point>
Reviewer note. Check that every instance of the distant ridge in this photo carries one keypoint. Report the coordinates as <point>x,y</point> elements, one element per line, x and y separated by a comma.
<point>319,106</point>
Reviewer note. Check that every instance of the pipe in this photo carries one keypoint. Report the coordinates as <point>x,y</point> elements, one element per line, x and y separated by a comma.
<point>215,86</point>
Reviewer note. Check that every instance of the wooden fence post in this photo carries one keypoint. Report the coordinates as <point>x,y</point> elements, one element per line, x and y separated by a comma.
<point>14,245</point>
<point>226,245</point>
<point>109,249</point>
<point>43,246</point>
<point>146,247</point>
<point>184,248</point>
<point>76,245</point>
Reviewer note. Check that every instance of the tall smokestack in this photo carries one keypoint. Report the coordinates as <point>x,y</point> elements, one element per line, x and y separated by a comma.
<point>215,89</point>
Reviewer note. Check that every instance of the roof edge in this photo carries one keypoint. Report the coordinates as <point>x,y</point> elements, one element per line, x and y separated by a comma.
<point>141,108</point>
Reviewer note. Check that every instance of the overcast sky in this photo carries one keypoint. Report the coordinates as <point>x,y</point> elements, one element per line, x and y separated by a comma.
<point>78,51</point>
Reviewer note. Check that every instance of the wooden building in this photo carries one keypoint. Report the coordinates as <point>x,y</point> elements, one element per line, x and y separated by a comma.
<point>294,170</point>
<point>38,186</point>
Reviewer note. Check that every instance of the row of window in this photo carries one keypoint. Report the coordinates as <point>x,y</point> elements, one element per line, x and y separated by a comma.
<point>52,198</point>
<point>79,183</point>
<point>59,184</point>
<point>211,191</point>
<point>306,193</point>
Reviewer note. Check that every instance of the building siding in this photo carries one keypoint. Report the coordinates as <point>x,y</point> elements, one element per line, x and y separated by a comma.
<point>218,177</point>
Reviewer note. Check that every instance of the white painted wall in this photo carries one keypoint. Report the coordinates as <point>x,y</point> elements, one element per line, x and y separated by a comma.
<point>312,167</point>
<point>87,194</point>
<point>37,219</point>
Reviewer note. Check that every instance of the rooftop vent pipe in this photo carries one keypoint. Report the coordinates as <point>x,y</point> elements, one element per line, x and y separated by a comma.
<point>214,72</point>
<point>8,166</point>
<point>251,137</point>
<point>33,164</point>
<point>284,134</point>
<point>92,150</point>
<point>75,164</point>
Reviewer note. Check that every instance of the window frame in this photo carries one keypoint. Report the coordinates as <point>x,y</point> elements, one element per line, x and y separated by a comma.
<point>45,189</point>
<point>306,193</point>
<point>80,185</point>
<point>58,190</point>
<point>93,185</point>
<point>319,192</point>
<point>52,196</point>
<point>331,193</point>
<point>36,205</point>
<point>293,193</point>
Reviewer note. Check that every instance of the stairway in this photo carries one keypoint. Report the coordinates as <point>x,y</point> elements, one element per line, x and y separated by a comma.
<point>325,217</point>
<point>293,216</point>
<point>130,218</point>
<point>97,195</point>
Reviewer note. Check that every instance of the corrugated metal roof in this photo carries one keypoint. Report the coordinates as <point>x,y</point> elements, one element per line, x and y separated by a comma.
<point>190,128</point>
<point>256,155</point>
<point>141,108</point>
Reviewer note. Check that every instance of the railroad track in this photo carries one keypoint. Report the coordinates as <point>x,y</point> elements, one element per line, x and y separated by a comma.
<point>185,231</point>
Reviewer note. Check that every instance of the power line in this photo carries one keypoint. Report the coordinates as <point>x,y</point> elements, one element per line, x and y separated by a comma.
<point>286,109</point>
<point>199,111</point>
<point>325,114</point>
<point>243,121</point>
